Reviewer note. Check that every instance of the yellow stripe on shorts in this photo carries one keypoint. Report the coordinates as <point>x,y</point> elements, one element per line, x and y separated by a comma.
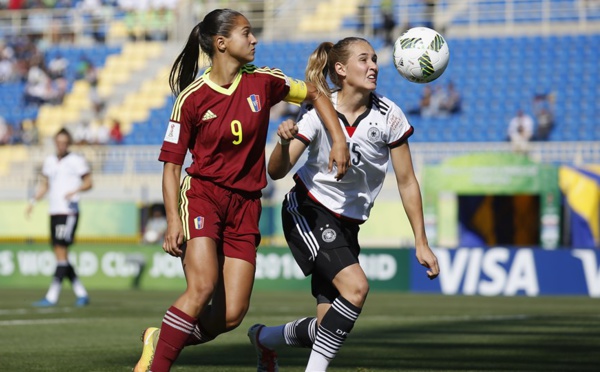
<point>183,206</point>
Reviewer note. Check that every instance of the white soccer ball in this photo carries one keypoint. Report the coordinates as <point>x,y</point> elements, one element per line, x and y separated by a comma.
<point>421,55</point>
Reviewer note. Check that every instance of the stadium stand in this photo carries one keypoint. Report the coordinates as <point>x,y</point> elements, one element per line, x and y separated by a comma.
<point>503,54</point>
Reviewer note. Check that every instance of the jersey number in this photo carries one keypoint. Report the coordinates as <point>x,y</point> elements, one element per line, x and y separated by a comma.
<point>236,130</point>
<point>356,159</point>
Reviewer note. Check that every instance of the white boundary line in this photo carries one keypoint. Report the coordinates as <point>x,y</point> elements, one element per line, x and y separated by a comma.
<point>26,322</point>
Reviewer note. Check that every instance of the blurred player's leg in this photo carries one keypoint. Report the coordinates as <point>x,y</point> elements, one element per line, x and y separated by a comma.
<point>53,293</point>
<point>78,288</point>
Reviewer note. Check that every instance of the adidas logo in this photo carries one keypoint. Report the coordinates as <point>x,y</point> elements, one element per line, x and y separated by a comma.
<point>209,115</point>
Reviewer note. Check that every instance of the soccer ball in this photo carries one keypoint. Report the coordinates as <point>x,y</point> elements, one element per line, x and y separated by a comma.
<point>421,55</point>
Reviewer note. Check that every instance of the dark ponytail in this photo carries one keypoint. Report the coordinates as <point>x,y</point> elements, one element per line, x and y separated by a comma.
<point>219,22</point>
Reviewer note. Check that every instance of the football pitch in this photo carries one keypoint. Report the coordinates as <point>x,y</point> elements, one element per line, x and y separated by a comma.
<point>395,332</point>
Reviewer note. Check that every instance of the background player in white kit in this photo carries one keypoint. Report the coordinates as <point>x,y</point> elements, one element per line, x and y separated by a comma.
<point>321,216</point>
<point>64,175</point>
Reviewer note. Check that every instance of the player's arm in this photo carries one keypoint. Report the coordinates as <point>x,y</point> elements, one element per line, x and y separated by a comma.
<point>286,152</point>
<point>86,184</point>
<point>170,188</point>
<point>408,186</point>
<point>339,149</point>
<point>42,189</point>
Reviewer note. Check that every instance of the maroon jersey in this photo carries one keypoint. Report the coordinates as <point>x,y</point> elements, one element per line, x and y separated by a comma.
<point>225,128</point>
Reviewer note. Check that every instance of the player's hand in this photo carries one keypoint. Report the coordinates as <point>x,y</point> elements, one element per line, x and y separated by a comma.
<point>287,130</point>
<point>70,195</point>
<point>426,258</point>
<point>28,210</point>
<point>340,156</point>
<point>173,238</point>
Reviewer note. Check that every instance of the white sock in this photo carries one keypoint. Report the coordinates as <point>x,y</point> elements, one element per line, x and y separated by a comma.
<point>78,288</point>
<point>54,291</point>
<point>272,337</point>
<point>317,362</point>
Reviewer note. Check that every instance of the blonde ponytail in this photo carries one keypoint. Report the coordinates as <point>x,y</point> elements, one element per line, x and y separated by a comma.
<point>317,68</point>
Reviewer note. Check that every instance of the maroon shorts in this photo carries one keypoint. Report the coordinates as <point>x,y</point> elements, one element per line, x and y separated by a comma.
<point>229,218</point>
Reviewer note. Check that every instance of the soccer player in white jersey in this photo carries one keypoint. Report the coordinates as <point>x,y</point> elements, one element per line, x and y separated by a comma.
<point>321,215</point>
<point>64,175</point>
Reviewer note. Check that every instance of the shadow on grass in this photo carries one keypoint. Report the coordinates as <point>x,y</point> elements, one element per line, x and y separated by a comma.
<point>532,344</point>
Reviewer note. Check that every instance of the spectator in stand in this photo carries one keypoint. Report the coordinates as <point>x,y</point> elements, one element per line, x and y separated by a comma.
<point>29,132</point>
<point>8,69</point>
<point>38,84</point>
<point>545,123</point>
<point>84,133</point>
<point>57,67</point>
<point>451,102</point>
<point>101,132</point>
<point>520,131</point>
<point>388,22</point>
<point>158,24</point>
<point>116,136</point>
<point>5,133</point>
<point>424,102</point>
<point>543,110</point>
<point>429,13</point>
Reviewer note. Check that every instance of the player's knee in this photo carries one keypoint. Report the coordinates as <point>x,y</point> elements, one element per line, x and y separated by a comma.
<point>235,315</point>
<point>357,293</point>
<point>200,293</point>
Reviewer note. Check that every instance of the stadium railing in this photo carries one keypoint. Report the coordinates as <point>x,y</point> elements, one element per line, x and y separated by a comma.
<point>134,173</point>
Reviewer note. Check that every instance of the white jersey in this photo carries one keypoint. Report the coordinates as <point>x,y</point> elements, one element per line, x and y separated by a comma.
<point>381,127</point>
<point>64,176</point>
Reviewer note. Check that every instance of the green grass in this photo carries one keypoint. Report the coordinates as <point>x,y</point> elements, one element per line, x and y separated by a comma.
<point>396,332</point>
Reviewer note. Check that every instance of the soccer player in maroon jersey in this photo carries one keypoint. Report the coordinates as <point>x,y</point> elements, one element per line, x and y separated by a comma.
<point>222,119</point>
<point>321,217</point>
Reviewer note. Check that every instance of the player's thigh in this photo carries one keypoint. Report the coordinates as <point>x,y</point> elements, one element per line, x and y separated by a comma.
<point>234,289</point>
<point>201,263</point>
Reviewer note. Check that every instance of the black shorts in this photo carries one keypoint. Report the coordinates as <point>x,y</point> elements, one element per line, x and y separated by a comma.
<point>322,244</point>
<point>62,229</point>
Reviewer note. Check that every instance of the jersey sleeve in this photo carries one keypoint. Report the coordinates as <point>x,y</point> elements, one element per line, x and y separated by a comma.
<point>309,126</point>
<point>46,167</point>
<point>83,167</point>
<point>285,88</point>
<point>179,131</point>
<point>399,129</point>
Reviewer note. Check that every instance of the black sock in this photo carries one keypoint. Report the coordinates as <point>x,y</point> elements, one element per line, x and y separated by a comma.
<point>301,332</point>
<point>335,327</point>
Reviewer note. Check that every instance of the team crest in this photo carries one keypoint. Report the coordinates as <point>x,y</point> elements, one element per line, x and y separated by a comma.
<point>374,134</point>
<point>199,223</point>
<point>254,101</point>
<point>328,235</point>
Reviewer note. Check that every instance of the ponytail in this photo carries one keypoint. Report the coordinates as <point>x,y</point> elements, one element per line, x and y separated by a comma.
<point>185,68</point>
<point>321,63</point>
<point>317,68</point>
